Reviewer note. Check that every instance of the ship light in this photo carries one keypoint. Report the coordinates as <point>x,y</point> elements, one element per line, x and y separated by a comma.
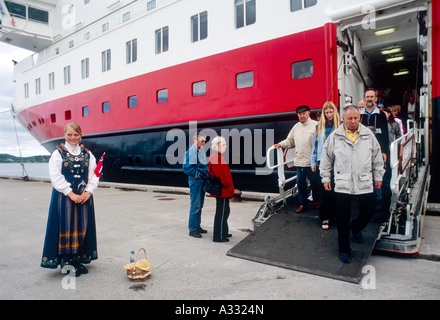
<point>395,58</point>
<point>401,72</point>
<point>384,31</point>
<point>391,50</point>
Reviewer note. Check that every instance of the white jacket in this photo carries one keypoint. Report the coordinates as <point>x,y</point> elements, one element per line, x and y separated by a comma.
<point>355,165</point>
<point>300,137</point>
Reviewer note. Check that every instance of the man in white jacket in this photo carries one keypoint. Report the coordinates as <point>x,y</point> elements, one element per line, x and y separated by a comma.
<point>354,154</point>
<point>300,137</point>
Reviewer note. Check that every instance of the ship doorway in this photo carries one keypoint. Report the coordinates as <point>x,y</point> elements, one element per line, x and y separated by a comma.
<point>384,54</point>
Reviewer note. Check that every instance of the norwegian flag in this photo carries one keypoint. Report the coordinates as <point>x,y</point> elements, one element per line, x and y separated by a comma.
<point>98,169</point>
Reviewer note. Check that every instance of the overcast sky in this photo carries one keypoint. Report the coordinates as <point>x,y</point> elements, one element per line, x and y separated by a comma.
<point>8,139</point>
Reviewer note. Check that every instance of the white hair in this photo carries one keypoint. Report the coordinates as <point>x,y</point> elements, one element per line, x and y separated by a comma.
<point>216,141</point>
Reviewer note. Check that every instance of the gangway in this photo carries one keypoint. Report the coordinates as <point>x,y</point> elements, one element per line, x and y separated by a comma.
<point>283,238</point>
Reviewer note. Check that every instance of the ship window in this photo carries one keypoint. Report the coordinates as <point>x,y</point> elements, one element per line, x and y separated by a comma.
<point>199,26</point>
<point>67,115</point>
<point>16,10</point>
<point>132,102</point>
<point>85,111</point>
<point>131,51</point>
<point>245,79</point>
<point>151,5</point>
<point>296,5</point>
<point>38,15</point>
<point>37,86</point>
<point>302,69</point>
<point>106,60</point>
<point>53,118</point>
<point>162,95</point>
<point>126,17</point>
<point>245,12</point>
<point>199,88</point>
<point>85,68</point>
<point>26,90</point>
<point>161,38</point>
<point>67,75</point>
<point>106,107</point>
<point>51,80</point>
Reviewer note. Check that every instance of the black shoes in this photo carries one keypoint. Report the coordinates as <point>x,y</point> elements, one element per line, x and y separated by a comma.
<point>75,269</point>
<point>357,237</point>
<point>221,240</point>
<point>195,234</point>
<point>345,257</point>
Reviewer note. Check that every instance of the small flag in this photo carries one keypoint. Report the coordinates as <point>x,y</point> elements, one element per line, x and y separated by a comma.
<point>98,169</point>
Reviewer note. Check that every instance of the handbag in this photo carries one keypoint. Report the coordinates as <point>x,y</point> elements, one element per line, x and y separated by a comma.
<point>213,185</point>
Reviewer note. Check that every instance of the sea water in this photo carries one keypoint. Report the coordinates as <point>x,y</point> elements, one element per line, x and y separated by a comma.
<point>32,170</point>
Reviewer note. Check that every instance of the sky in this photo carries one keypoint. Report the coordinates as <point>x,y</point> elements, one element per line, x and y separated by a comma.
<point>8,139</point>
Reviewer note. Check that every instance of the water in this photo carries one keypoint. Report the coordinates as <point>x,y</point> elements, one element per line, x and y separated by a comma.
<point>34,170</point>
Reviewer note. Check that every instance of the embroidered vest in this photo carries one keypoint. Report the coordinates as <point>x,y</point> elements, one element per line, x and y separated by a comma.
<point>75,168</point>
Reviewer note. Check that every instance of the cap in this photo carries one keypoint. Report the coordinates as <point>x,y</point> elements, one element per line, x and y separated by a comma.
<point>302,108</point>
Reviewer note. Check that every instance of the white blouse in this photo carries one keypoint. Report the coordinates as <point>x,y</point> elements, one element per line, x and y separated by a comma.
<point>56,177</point>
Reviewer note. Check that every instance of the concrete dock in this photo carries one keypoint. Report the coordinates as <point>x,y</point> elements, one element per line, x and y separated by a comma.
<point>184,268</point>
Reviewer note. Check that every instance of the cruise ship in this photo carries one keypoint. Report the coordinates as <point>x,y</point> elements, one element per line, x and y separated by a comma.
<point>140,76</point>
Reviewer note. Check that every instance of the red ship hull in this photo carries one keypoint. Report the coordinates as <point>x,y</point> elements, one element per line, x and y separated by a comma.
<point>268,104</point>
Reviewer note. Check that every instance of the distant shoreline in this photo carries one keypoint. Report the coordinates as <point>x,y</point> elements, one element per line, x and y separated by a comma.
<point>7,158</point>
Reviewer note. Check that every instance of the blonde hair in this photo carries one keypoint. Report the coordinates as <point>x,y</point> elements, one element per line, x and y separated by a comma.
<point>74,127</point>
<point>395,109</point>
<point>320,127</point>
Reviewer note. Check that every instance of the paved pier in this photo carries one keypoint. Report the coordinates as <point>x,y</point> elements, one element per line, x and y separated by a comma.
<point>132,217</point>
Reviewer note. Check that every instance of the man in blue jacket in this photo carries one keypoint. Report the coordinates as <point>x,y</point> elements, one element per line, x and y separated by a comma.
<point>196,167</point>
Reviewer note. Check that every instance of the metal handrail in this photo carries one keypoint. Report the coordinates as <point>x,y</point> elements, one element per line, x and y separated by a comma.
<point>280,166</point>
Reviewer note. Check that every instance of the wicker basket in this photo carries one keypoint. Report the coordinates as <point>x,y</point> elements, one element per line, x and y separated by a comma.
<point>140,272</point>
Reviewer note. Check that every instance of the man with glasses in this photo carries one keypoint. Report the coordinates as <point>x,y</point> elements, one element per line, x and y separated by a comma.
<point>196,167</point>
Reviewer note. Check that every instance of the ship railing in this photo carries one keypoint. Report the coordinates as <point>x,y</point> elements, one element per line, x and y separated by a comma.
<point>402,151</point>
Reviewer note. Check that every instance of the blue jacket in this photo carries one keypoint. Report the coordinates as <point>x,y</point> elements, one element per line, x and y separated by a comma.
<point>196,163</point>
<point>317,146</point>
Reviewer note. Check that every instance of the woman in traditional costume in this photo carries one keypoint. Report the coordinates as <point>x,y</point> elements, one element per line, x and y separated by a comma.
<point>71,232</point>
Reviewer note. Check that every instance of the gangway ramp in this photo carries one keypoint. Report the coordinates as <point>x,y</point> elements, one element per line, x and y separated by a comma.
<point>297,242</point>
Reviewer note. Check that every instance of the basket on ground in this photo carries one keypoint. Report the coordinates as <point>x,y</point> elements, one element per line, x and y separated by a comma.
<point>138,270</point>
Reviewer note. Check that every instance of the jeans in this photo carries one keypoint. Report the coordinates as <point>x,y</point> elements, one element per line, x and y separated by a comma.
<point>197,196</point>
<point>301,174</point>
